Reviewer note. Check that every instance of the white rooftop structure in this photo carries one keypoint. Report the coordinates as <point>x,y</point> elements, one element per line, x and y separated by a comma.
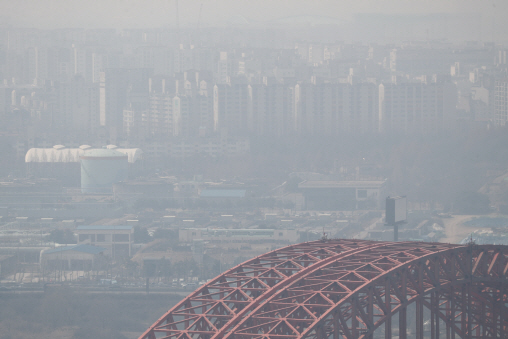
<point>60,153</point>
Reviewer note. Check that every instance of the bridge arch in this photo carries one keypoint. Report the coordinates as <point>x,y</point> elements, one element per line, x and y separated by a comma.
<point>348,289</point>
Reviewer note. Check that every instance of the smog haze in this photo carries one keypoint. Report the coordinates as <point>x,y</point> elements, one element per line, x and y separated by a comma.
<point>228,154</point>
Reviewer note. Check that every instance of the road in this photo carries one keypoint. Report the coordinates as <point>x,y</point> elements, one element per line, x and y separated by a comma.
<point>455,229</point>
<point>97,290</point>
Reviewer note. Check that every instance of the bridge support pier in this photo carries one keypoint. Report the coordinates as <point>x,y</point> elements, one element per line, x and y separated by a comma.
<point>403,323</point>
<point>419,319</point>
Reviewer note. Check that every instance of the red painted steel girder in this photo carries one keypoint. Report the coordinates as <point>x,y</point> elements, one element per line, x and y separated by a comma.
<point>348,289</point>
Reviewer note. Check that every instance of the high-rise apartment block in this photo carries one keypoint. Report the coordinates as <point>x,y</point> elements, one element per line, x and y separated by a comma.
<point>332,109</point>
<point>231,109</point>
<point>214,89</point>
<point>416,107</point>
<point>270,110</point>
<point>501,102</point>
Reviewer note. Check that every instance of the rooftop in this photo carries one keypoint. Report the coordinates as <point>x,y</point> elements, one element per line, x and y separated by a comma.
<point>341,184</point>
<point>5,256</point>
<point>60,153</point>
<point>103,153</point>
<point>84,248</point>
<point>222,193</point>
<point>104,227</point>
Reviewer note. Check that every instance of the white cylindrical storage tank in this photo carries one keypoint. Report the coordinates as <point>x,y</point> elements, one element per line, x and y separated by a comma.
<point>101,168</point>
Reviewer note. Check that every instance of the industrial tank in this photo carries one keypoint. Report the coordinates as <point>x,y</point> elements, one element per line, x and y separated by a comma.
<point>101,168</point>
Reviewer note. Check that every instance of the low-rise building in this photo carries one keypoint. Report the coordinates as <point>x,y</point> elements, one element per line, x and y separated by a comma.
<point>342,195</point>
<point>238,235</point>
<point>7,265</point>
<point>80,257</point>
<point>117,240</point>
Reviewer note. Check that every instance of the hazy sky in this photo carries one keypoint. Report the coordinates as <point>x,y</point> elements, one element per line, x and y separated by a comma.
<point>157,13</point>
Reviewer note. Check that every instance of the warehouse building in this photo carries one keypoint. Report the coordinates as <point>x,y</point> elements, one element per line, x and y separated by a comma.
<point>188,235</point>
<point>342,195</point>
<point>117,240</point>
<point>94,164</point>
<point>81,257</point>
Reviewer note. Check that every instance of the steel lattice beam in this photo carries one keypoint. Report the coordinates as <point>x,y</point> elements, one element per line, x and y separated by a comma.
<point>349,289</point>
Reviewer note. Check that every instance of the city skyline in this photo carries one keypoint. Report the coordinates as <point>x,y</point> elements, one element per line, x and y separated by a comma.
<point>50,14</point>
<point>144,152</point>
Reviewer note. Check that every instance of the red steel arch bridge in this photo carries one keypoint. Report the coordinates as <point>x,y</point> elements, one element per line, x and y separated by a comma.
<point>350,289</point>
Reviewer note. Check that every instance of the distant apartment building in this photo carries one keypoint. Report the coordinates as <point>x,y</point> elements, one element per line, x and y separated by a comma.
<point>231,109</point>
<point>501,58</point>
<point>99,63</point>
<point>172,112</point>
<point>501,102</point>
<point>81,111</point>
<point>224,69</point>
<point>416,107</point>
<point>270,109</point>
<point>38,64</point>
<point>417,60</point>
<point>480,105</point>
<point>192,115</point>
<point>133,120</point>
<point>158,120</point>
<point>331,109</point>
<point>136,85</point>
<point>203,106</point>
<point>118,88</point>
<point>61,106</point>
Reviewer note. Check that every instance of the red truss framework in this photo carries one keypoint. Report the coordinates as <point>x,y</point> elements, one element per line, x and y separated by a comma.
<point>351,289</point>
